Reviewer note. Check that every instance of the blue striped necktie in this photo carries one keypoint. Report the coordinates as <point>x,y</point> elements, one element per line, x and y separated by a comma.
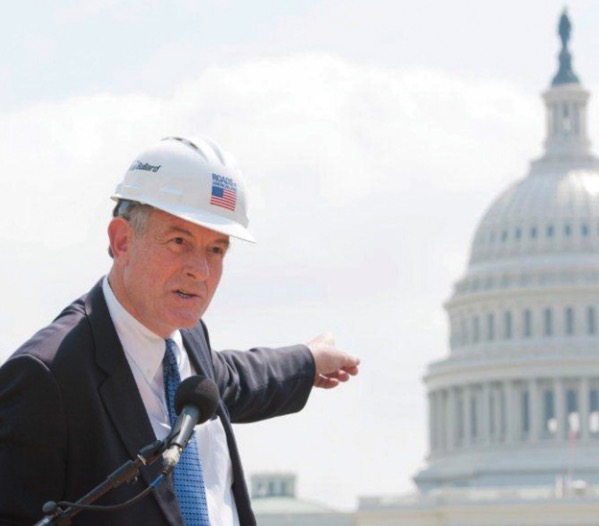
<point>189,478</point>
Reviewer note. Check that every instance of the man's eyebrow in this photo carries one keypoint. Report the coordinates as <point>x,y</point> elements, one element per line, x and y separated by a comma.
<point>180,230</point>
<point>224,241</point>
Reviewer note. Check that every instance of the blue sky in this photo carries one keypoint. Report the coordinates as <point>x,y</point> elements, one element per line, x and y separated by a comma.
<point>373,138</point>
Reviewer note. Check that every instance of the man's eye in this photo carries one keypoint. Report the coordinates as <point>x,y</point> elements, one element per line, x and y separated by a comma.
<point>177,242</point>
<point>217,250</point>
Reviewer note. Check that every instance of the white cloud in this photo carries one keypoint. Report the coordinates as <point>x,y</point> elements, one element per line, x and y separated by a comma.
<point>367,186</point>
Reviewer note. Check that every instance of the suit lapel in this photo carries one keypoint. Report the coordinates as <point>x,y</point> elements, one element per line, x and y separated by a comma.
<point>121,397</point>
<point>198,351</point>
<point>198,348</point>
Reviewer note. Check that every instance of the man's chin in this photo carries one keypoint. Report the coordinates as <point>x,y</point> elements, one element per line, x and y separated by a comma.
<point>187,322</point>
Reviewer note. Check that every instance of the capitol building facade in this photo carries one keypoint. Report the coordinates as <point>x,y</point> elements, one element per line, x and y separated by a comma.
<point>514,408</point>
<point>517,401</point>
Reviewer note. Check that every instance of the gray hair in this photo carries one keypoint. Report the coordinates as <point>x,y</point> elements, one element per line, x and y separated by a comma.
<point>137,214</point>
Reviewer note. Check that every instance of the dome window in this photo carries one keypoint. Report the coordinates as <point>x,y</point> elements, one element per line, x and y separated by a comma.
<point>569,325</point>
<point>550,231</point>
<point>518,234</point>
<point>490,327</point>
<point>567,230</point>
<point>460,418</point>
<point>549,421</point>
<point>525,401</point>
<point>475,329</point>
<point>572,414</point>
<point>507,325</point>
<point>527,323</point>
<point>584,230</point>
<point>492,237</point>
<point>474,430</point>
<point>594,411</point>
<point>548,322</point>
<point>591,321</point>
<point>566,120</point>
<point>533,232</point>
<point>504,235</point>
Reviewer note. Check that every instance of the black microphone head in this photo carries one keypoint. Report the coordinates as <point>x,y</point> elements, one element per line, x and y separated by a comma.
<point>200,392</point>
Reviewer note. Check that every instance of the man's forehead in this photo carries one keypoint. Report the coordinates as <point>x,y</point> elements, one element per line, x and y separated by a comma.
<point>166,222</point>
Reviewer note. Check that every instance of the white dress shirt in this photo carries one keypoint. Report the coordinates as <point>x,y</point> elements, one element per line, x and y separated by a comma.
<point>144,351</point>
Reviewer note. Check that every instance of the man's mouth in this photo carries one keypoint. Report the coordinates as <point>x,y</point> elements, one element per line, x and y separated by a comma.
<point>185,295</point>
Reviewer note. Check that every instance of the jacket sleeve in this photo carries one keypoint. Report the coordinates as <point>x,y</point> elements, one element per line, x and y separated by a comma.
<point>32,440</point>
<point>263,383</point>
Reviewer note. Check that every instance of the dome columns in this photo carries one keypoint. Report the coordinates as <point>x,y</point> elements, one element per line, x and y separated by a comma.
<point>495,413</point>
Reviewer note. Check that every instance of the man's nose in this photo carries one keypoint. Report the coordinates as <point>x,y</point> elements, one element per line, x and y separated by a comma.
<point>197,265</point>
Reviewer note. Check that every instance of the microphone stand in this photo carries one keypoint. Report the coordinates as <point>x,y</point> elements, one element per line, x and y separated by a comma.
<point>125,473</point>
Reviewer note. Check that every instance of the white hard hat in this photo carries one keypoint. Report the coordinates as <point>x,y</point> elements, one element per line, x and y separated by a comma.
<point>191,178</point>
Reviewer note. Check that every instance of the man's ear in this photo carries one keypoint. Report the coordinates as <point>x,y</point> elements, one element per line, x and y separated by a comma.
<point>119,236</point>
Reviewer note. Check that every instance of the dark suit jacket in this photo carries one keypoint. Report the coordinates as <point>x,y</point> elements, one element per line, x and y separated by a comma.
<point>70,414</point>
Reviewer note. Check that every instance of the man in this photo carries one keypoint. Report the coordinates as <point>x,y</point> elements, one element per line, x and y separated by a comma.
<point>86,393</point>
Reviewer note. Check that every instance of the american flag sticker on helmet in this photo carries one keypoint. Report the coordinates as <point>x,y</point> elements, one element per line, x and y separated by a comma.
<point>224,192</point>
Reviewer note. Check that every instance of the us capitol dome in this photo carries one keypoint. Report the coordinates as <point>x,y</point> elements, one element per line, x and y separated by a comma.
<point>516,403</point>
<point>514,408</point>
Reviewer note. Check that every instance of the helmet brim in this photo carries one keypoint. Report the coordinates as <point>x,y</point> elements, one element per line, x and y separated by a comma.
<point>214,222</point>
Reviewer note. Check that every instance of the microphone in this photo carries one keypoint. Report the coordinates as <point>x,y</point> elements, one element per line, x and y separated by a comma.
<point>196,400</point>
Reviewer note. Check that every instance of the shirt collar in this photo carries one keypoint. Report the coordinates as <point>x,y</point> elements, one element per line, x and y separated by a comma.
<point>145,348</point>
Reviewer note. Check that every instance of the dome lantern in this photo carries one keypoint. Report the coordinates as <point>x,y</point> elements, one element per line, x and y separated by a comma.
<point>566,103</point>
